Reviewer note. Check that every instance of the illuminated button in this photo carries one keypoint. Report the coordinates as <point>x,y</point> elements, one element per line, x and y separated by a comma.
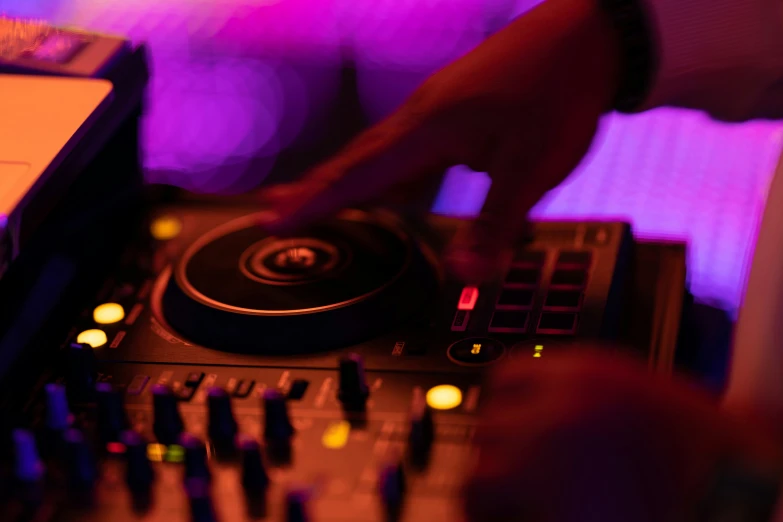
<point>95,338</point>
<point>336,435</point>
<point>165,228</point>
<point>156,452</point>
<point>175,453</point>
<point>477,351</point>
<point>537,348</point>
<point>115,448</point>
<point>108,313</point>
<point>468,298</point>
<point>444,397</point>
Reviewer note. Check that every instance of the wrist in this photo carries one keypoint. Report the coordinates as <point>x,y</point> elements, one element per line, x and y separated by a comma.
<point>596,45</point>
<point>608,42</point>
<point>636,51</point>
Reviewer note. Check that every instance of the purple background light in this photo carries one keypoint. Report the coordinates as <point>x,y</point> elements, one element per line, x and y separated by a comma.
<point>238,80</point>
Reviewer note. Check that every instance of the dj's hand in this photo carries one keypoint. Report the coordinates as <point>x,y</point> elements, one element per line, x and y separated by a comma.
<point>523,106</point>
<point>591,438</point>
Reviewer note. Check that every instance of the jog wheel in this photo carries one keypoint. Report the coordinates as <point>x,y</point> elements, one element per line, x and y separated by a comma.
<point>339,283</point>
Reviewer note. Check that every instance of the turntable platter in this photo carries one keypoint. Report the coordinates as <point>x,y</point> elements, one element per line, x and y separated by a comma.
<point>238,289</point>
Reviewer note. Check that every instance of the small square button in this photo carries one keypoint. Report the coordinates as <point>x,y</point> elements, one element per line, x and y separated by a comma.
<point>298,389</point>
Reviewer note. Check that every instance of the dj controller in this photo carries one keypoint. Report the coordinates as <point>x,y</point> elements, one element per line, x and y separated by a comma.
<point>178,363</point>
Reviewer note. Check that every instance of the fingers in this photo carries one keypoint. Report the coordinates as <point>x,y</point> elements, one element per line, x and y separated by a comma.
<point>397,150</point>
<point>484,245</point>
<point>523,169</point>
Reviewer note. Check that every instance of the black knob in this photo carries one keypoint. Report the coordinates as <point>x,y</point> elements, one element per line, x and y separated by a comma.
<point>81,373</point>
<point>421,434</point>
<point>255,479</point>
<point>222,424</point>
<point>28,467</point>
<point>167,423</point>
<point>296,507</point>
<point>112,420</point>
<point>201,507</point>
<point>353,391</point>
<point>277,426</point>
<point>196,465</point>
<point>139,474</point>
<point>391,489</point>
<point>58,416</point>
<point>81,466</point>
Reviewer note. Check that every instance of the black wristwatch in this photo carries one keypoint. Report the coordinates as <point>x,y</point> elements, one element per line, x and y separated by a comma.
<point>639,55</point>
<point>740,494</point>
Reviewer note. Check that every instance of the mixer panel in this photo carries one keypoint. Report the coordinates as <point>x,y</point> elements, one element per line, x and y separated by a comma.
<point>165,359</point>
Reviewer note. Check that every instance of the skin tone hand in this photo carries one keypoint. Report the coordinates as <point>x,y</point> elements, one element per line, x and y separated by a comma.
<point>589,436</point>
<point>523,106</point>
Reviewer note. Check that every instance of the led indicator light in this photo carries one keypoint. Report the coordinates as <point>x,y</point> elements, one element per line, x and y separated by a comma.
<point>444,397</point>
<point>95,338</point>
<point>108,313</point>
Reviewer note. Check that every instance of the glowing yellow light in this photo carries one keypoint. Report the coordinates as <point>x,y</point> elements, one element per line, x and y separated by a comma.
<point>537,354</point>
<point>95,338</point>
<point>476,349</point>
<point>155,452</point>
<point>166,227</point>
<point>336,435</point>
<point>175,453</point>
<point>108,313</point>
<point>444,397</point>
<point>538,349</point>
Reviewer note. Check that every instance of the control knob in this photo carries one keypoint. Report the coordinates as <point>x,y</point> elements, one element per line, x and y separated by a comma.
<point>58,416</point>
<point>195,457</point>
<point>81,467</point>
<point>81,372</point>
<point>296,505</point>
<point>255,478</point>
<point>421,434</point>
<point>201,507</point>
<point>222,424</point>
<point>353,391</point>
<point>278,430</point>
<point>112,420</point>
<point>28,467</point>
<point>167,423</point>
<point>391,489</point>
<point>139,474</point>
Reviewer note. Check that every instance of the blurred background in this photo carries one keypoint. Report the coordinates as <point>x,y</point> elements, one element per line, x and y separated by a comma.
<point>239,84</point>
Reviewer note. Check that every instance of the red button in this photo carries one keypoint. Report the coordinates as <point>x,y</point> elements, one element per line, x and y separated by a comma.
<point>467,301</point>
